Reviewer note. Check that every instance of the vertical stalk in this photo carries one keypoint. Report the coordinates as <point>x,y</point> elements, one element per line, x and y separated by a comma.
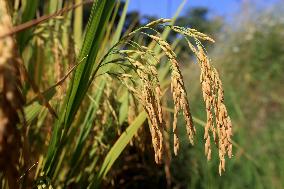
<point>11,102</point>
<point>78,23</point>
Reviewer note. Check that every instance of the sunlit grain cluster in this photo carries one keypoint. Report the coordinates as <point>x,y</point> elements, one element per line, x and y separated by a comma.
<point>213,96</point>
<point>179,93</point>
<point>150,96</point>
<point>149,92</point>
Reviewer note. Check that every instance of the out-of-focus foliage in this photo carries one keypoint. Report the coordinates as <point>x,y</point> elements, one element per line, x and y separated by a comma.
<point>199,18</point>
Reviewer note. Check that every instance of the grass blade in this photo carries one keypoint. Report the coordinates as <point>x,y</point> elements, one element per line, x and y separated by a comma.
<point>119,146</point>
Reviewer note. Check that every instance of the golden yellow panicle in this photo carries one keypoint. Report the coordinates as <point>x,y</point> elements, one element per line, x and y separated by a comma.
<point>150,98</point>
<point>179,93</point>
<point>213,96</point>
<point>218,123</point>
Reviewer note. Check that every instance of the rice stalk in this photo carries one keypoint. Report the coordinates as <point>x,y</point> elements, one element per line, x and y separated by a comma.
<point>11,102</point>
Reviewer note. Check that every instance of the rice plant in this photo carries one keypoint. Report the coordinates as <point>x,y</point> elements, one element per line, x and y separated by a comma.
<point>67,114</point>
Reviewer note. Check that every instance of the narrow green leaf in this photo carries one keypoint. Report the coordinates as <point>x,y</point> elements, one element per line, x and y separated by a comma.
<point>78,87</point>
<point>119,28</point>
<point>28,14</point>
<point>120,145</point>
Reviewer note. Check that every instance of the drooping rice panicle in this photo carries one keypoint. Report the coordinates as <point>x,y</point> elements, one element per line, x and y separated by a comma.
<point>150,97</point>
<point>218,121</point>
<point>213,96</point>
<point>179,93</point>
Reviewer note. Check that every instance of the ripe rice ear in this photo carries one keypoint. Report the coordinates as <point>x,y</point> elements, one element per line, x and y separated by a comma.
<point>218,121</point>
<point>213,95</point>
<point>179,93</point>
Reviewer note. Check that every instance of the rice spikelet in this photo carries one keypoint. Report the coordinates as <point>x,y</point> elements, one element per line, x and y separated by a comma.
<point>179,94</point>
<point>192,33</point>
<point>150,99</point>
<point>213,96</point>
